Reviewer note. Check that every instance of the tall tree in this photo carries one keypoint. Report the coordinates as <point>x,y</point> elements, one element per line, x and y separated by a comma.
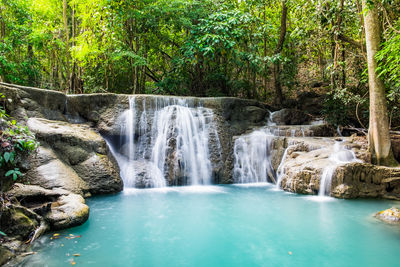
<point>278,50</point>
<point>378,132</point>
<point>66,36</point>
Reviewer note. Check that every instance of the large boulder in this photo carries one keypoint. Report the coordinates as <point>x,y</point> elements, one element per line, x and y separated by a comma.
<point>73,157</point>
<point>306,159</point>
<point>49,171</point>
<point>68,211</point>
<point>101,174</point>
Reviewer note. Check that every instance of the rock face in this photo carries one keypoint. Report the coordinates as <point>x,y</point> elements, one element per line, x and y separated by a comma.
<point>73,157</point>
<point>366,180</point>
<point>391,215</point>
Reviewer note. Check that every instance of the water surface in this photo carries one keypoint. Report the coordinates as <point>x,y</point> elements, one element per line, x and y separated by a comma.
<point>224,226</point>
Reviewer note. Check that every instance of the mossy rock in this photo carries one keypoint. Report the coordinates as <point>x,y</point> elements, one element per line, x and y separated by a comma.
<point>17,224</point>
<point>5,255</point>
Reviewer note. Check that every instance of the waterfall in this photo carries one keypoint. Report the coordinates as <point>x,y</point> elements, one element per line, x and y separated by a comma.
<point>252,153</point>
<point>281,168</point>
<point>165,141</point>
<point>341,155</point>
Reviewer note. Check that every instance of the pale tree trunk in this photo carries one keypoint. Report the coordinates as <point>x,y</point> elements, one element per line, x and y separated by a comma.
<point>378,132</point>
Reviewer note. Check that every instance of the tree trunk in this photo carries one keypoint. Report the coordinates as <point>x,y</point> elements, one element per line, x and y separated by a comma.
<point>73,78</point>
<point>2,26</point>
<point>336,46</point>
<point>265,55</point>
<point>66,32</point>
<point>378,132</point>
<point>277,68</point>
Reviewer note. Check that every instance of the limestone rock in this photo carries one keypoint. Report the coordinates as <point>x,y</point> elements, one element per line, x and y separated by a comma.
<point>48,171</point>
<point>68,211</point>
<point>391,215</point>
<point>355,180</point>
<point>100,173</point>
<point>144,172</point>
<point>77,160</point>
<point>36,102</point>
<point>59,207</point>
<point>72,134</point>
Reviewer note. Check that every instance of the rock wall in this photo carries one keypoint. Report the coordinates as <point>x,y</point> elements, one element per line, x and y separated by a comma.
<point>55,117</point>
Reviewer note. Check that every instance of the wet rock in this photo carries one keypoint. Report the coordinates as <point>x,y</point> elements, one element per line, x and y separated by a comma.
<point>100,173</point>
<point>144,172</point>
<point>68,211</point>
<point>391,215</point>
<point>307,158</point>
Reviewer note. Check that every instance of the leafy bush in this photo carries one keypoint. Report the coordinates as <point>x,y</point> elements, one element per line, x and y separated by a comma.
<point>340,106</point>
<point>16,143</point>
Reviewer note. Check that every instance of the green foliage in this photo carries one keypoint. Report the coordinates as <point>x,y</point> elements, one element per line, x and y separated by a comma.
<point>389,63</point>
<point>340,106</point>
<point>191,47</point>
<point>15,173</point>
<point>16,142</point>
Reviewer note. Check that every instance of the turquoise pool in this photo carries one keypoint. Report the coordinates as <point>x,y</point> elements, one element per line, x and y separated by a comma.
<point>224,226</point>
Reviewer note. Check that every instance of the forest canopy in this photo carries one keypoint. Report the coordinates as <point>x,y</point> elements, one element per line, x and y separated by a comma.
<point>268,50</point>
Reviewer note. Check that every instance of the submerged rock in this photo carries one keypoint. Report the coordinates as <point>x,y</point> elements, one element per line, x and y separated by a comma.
<point>391,215</point>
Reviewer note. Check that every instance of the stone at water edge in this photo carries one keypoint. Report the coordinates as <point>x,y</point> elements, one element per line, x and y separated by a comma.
<point>391,215</point>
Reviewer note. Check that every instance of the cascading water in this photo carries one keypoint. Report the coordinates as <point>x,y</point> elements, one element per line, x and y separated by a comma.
<point>252,163</point>
<point>281,168</point>
<point>166,142</point>
<point>341,155</point>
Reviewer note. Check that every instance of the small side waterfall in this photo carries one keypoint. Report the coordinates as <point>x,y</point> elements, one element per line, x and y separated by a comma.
<point>166,142</point>
<point>252,163</point>
<point>341,155</point>
<point>281,168</point>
